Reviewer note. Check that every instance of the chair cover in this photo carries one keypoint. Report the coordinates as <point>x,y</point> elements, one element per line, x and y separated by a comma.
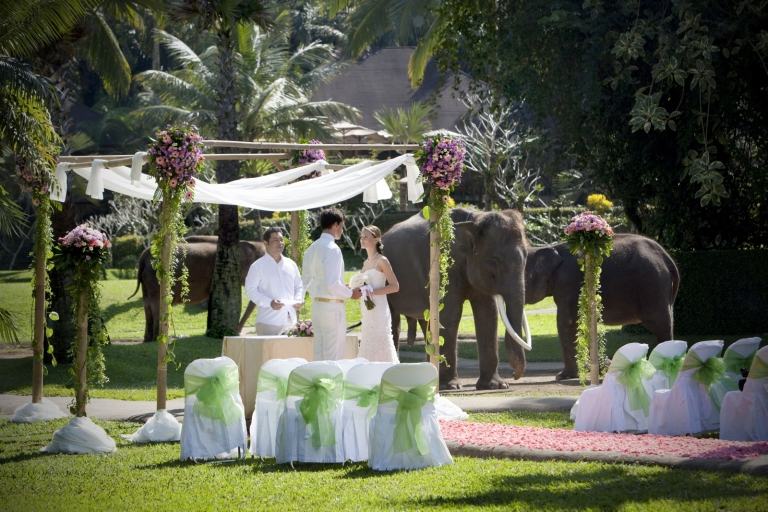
<point>348,364</point>
<point>667,359</point>
<point>737,356</point>
<point>310,428</point>
<point>361,397</point>
<point>744,414</point>
<point>686,408</point>
<point>622,401</point>
<point>405,433</point>
<point>214,419</point>
<point>271,388</point>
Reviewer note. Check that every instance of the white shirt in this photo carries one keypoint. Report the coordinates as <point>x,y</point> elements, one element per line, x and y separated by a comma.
<point>268,280</point>
<point>323,270</point>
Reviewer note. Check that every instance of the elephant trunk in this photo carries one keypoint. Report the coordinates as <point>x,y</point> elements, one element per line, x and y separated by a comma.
<point>513,342</point>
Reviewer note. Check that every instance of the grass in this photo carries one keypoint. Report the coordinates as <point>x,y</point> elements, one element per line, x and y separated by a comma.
<point>152,478</point>
<point>553,419</point>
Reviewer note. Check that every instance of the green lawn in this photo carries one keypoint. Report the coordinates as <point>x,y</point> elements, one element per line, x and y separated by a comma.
<point>152,478</point>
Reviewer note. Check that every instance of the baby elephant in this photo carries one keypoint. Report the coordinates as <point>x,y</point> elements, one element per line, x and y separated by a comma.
<point>639,283</point>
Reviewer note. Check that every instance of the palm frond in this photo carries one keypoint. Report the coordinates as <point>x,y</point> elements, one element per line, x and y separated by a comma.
<point>17,75</point>
<point>370,19</point>
<point>13,220</point>
<point>9,331</point>
<point>424,51</point>
<point>169,88</point>
<point>180,53</point>
<point>106,57</point>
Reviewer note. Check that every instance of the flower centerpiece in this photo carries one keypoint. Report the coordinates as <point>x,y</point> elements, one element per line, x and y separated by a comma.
<point>174,159</point>
<point>82,253</point>
<point>310,155</point>
<point>590,239</point>
<point>361,281</point>
<point>441,162</point>
<point>303,328</point>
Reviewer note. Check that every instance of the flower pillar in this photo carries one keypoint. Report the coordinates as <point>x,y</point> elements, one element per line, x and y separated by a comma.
<point>590,239</point>
<point>41,252</point>
<point>441,161</point>
<point>81,353</point>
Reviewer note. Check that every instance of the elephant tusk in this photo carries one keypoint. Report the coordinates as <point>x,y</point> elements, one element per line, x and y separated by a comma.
<point>502,308</point>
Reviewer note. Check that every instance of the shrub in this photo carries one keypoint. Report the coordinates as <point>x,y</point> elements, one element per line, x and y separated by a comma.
<point>722,292</point>
<point>126,250</point>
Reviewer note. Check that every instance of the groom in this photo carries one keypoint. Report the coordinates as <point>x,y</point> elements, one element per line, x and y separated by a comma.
<point>323,276</point>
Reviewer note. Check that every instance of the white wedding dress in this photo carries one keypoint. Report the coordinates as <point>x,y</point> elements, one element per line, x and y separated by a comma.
<point>376,343</point>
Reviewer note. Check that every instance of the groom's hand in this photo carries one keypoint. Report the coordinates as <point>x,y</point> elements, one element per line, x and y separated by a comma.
<point>276,304</point>
<point>356,293</point>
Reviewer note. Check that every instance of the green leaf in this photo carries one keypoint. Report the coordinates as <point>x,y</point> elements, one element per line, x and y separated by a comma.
<point>426,315</point>
<point>425,212</point>
<point>429,349</point>
<point>48,332</point>
<point>53,315</point>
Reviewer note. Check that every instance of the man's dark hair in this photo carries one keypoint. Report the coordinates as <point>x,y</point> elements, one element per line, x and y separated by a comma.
<point>269,231</point>
<point>330,217</point>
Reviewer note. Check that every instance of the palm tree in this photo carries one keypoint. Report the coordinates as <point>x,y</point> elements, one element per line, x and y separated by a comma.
<point>406,124</point>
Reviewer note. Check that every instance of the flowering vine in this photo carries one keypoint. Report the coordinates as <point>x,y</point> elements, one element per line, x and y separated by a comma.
<point>303,240</point>
<point>441,161</point>
<point>590,239</point>
<point>83,253</point>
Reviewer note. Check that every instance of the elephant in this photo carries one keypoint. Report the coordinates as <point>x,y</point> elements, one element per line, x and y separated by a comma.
<point>201,253</point>
<point>638,284</point>
<point>489,253</point>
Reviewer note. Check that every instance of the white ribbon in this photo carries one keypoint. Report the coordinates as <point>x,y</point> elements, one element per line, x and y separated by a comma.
<point>95,188</point>
<point>137,162</point>
<point>59,189</point>
<point>377,192</point>
<point>415,187</point>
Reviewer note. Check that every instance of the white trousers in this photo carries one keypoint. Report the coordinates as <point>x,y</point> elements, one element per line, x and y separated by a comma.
<point>329,323</point>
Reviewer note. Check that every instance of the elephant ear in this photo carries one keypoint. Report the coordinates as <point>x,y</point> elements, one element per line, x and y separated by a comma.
<point>467,235</point>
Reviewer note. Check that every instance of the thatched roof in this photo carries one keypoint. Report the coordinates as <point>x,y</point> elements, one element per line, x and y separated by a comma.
<point>380,81</point>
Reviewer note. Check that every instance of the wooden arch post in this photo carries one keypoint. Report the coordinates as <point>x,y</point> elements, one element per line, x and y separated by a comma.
<point>434,290</point>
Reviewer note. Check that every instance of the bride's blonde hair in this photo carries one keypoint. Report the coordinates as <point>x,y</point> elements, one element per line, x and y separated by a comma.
<point>376,233</point>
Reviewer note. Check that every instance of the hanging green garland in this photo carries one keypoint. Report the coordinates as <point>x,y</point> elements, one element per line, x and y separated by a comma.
<point>83,254</point>
<point>590,239</point>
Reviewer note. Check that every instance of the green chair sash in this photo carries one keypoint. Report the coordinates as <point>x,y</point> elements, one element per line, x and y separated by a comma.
<point>271,382</point>
<point>706,373</point>
<point>320,396</point>
<point>216,394</point>
<point>409,431</point>
<point>363,397</point>
<point>759,369</point>
<point>669,366</point>
<point>735,362</point>
<point>631,375</point>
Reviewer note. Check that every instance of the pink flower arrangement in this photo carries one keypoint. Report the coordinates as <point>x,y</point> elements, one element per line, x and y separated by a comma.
<point>302,328</point>
<point>309,156</point>
<point>586,222</point>
<point>441,160</point>
<point>31,181</point>
<point>85,241</point>
<point>175,157</point>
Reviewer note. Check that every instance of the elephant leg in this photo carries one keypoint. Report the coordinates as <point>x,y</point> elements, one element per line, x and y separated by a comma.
<point>566,331</point>
<point>450,317</point>
<point>486,322</point>
<point>411,330</point>
<point>150,331</point>
<point>659,323</point>
<point>155,305</point>
<point>396,329</point>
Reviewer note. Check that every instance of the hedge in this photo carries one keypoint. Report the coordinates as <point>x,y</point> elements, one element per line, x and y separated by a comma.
<point>722,292</point>
<point>126,250</point>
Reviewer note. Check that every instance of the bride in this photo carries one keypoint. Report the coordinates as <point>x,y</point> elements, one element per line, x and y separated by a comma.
<point>376,342</point>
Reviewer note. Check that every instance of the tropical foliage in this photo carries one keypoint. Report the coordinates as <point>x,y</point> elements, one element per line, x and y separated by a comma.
<point>408,124</point>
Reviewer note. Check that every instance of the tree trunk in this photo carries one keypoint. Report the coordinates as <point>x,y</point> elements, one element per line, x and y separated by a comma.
<point>225,300</point>
<point>434,287</point>
<point>594,347</point>
<point>81,359</point>
<point>41,262</point>
<point>166,250</point>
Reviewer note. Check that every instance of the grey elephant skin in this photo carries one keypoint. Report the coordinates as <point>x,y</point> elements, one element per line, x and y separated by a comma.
<point>489,255</point>
<point>201,254</point>
<point>639,283</point>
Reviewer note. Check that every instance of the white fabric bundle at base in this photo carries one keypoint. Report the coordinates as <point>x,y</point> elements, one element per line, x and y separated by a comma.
<point>447,410</point>
<point>162,427</point>
<point>45,410</point>
<point>81,435</point>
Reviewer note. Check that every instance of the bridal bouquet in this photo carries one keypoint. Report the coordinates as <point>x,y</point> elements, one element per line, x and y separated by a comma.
<point>303,328</point>
<point>361,281</point>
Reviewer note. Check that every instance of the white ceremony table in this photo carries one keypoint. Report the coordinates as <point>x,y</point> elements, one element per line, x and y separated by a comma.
<point>250,352</point>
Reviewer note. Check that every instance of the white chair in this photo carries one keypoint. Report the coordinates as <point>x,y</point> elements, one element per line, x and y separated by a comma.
<point>621,402</point>
<point>744,414</point>
<point>737,356</point>
<point>667,359</point>
<point>348,364</point>
<point>405,433</point>
<point>214,419</point>
<point>310,428</point>
<point>686,408</point>
<point>271,387</point>
<point>361,397</point>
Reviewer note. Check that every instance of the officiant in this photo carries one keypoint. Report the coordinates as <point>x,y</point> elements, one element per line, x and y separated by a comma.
<point>274,284</point>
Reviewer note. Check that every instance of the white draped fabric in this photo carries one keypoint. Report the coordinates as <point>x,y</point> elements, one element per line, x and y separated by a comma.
<point>274,192</point>
<point>81,435</point>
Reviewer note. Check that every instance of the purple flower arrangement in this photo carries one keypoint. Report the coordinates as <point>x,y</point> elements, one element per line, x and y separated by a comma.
<point>86,242</point>
<point>303,328</point>
<point>36,183</point>
<point>175,157</point>
<point>588,222</point>
<point>441,160</point>
<point>309,156</point>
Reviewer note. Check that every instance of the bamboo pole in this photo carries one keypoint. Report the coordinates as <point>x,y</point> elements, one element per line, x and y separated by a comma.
<point>434,287</point>
<point>166,252</point>
<point>295,236</point>
<point>594,348</point>
<point>81,393</point>
<point>285,146</point>
<point>115,162</point>
<point>42,229</point>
